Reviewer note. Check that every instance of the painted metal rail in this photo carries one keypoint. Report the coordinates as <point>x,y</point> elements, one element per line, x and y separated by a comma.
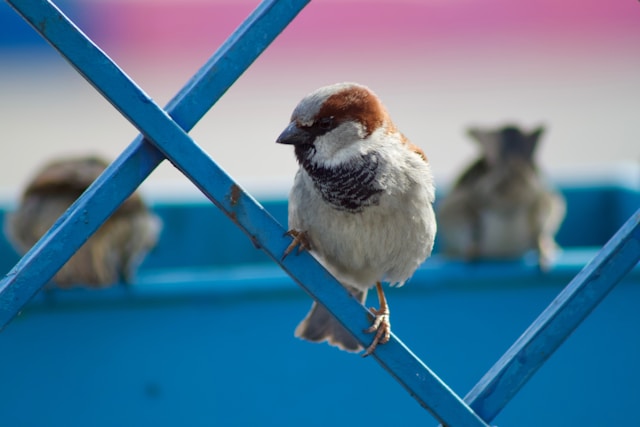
<point>164,136</point>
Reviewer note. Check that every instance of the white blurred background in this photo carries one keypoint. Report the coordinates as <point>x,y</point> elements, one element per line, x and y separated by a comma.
<point>439,66</point>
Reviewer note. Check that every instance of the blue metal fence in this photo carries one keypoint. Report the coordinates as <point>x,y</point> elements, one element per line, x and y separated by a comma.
<point>164,136</point>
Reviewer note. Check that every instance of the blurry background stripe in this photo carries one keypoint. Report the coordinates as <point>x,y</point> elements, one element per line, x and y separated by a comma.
<point>438,65</point>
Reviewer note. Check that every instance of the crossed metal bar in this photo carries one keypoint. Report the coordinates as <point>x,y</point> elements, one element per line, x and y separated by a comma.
<point>163,136</point>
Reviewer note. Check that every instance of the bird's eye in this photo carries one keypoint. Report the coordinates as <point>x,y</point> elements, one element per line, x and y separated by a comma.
<point>325,123</point>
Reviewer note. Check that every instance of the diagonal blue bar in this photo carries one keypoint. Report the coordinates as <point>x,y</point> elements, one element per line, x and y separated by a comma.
<point>265,232</point>
<point>557,321</point>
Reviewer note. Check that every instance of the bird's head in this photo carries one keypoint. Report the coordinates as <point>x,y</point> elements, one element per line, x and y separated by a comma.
<point>332,125</point>
<point>509,143</point>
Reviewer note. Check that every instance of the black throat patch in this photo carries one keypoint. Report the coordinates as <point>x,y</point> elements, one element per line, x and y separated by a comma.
<point>349,187</point>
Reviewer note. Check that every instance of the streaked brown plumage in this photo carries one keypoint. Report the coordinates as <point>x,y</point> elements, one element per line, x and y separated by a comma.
<point>112,253</point>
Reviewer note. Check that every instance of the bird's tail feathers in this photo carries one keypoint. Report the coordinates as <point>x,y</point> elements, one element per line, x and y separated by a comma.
<point>319,325</point>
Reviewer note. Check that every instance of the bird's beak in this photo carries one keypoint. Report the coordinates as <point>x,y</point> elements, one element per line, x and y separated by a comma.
<point>293,135</point>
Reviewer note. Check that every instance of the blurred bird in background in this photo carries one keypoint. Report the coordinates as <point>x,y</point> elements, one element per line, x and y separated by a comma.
<point>501,207</point>
<point>361,202</point>
<point>115,249</point>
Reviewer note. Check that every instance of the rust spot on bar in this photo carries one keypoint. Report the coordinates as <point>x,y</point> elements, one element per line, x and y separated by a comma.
<point>234,197</point>
<point>255,241</point>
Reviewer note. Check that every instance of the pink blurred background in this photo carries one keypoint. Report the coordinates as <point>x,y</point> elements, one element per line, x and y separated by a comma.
<point>438,65</point>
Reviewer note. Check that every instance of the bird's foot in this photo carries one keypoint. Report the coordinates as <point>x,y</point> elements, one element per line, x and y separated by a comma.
<point>300,240</point>
<point>381,326</point>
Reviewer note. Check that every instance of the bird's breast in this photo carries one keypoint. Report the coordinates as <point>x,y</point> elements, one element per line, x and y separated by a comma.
<point>349,187</point>
<point>386,241</point>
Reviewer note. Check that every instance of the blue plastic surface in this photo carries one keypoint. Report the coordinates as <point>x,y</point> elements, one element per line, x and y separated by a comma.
<point>205,337</point>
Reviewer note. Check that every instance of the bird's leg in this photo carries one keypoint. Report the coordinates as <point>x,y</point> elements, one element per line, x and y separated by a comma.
<point>381,324</point>
<point>300,239</point>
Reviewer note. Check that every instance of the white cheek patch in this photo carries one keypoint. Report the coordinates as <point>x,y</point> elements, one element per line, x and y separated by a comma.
<point>341,145</point>
<point>344,155</point>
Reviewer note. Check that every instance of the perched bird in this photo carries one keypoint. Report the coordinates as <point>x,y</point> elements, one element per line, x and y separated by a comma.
<point>501,207</point>
<point>361,202</point>
<point>116,248</point>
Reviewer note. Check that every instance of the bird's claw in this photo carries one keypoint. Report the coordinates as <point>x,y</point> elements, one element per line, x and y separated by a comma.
<point>300,240</point>
<point>381,326</point>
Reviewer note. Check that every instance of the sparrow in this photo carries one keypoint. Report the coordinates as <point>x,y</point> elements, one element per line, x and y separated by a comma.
<point>361,202</point>
<point>501,207</point>
<point>112,253</point>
